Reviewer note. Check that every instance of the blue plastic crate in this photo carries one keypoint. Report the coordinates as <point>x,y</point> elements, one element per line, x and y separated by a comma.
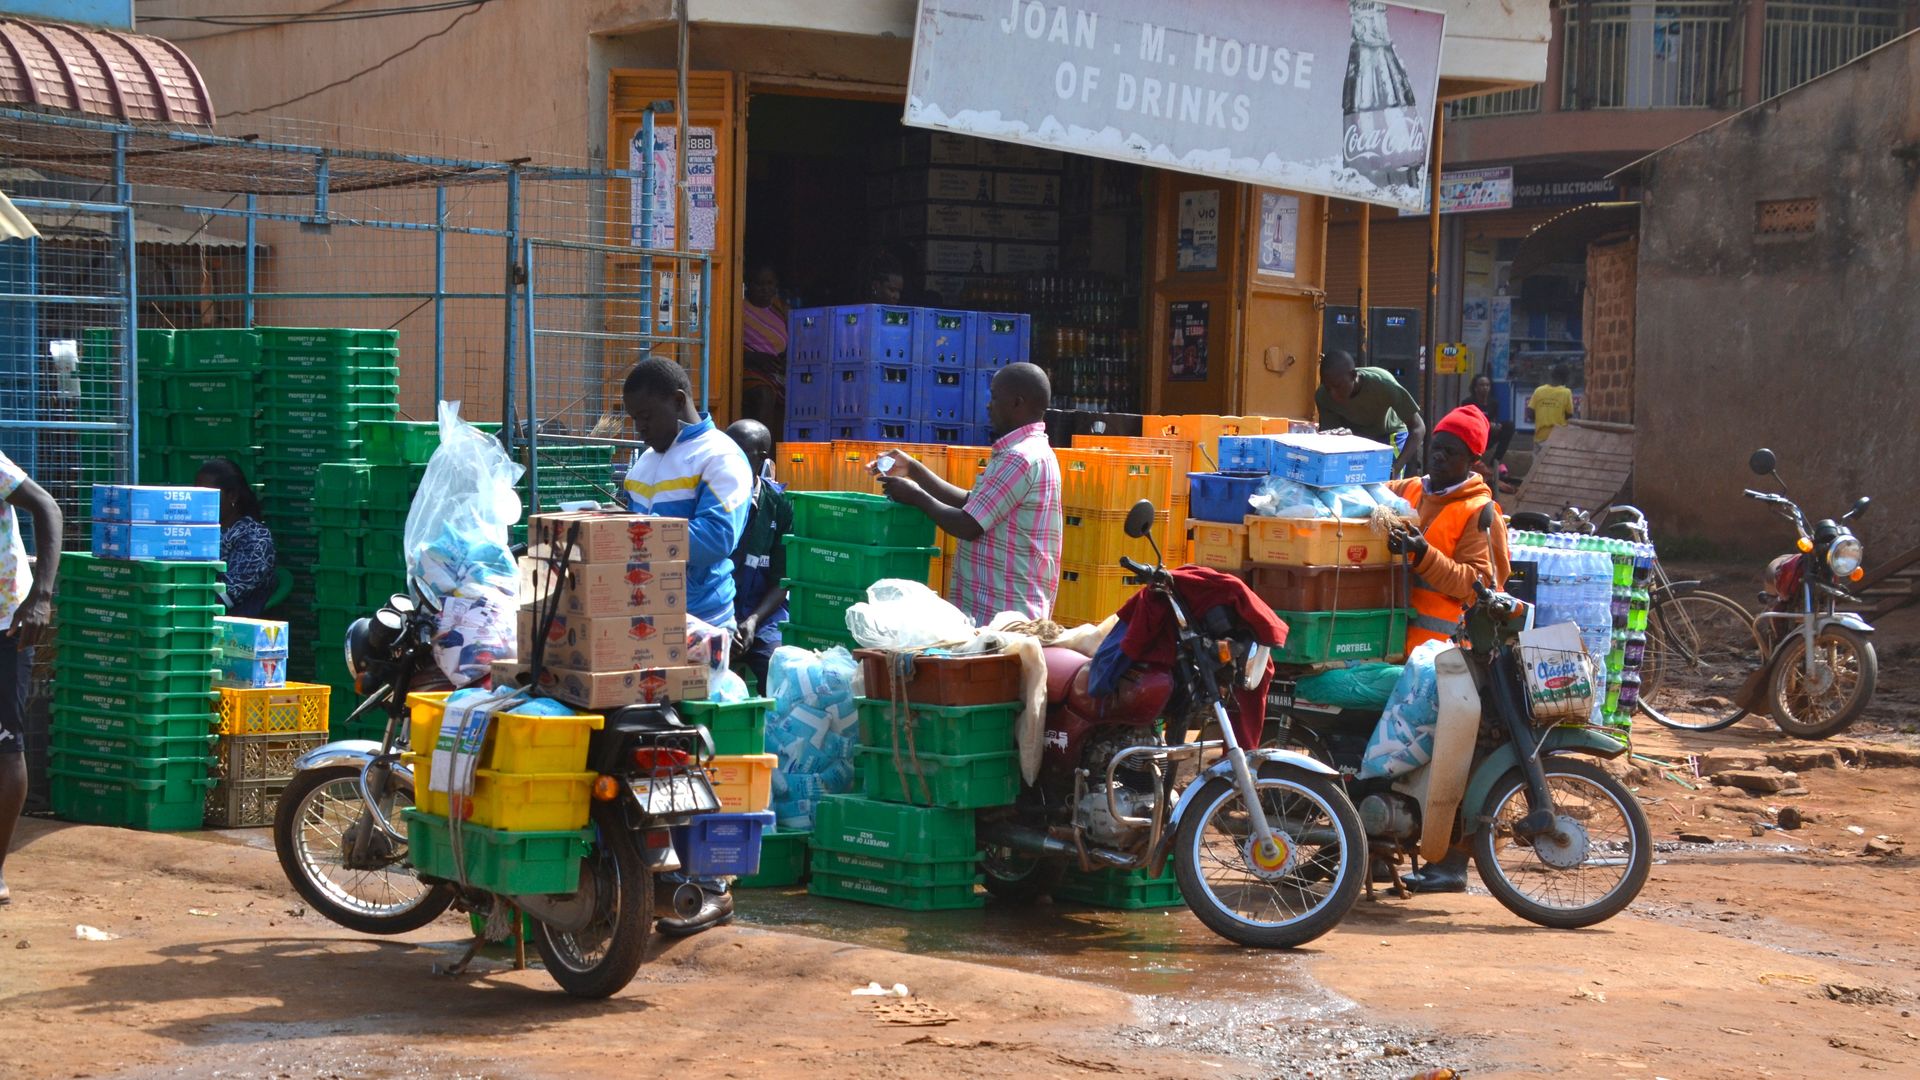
<point>875,333</point>
<point>869,429</point>
<point>722,845</point>
<point>947,338</point>
<point>941,432</point>
<point>979,435</point>
<point>810,336</point>
<point>809,393</point>
<point>126,503</point>
<point>1329,460</point>
<point>882,391</point>
<point>171,543</point>
<point>1251,453</point>
<point>976,402</point>
<point>809,431</point>
<point>1221,496</point>
<point>1000,339</point>
<point>943,394</point>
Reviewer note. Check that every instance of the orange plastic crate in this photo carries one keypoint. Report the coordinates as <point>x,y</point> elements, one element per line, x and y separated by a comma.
<point>1099,538</point>
<point>274,710</point>
<point>1093,478</point>
<point>1219,545</point>
<point>1314,542</point>
<point>966,464</point>
<point>804,466</point>
<point>851,458</point>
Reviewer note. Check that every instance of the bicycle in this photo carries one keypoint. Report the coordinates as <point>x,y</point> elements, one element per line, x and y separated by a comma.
<point>1701,645</point>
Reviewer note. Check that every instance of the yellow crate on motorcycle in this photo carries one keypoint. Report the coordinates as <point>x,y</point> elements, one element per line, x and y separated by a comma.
<point>1315,542</point>
<point>515,802</point>
<point>275,710</point>
<point>952,781</point>
<point>1320,637</point>
<point>743,782</point>
<point>1130,891</point>
<point>1219,545</point>
<point>1099,537</point>
<point>516,742</point>
<point>1090,593</point>
<point>514,863</point>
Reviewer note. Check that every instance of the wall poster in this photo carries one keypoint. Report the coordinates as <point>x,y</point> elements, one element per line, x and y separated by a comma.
<point>1199,240</point>
<point>1187,344</point>
<point>1279,233</point>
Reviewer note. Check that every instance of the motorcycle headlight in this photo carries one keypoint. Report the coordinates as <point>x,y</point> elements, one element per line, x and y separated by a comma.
<point>1845,555</point>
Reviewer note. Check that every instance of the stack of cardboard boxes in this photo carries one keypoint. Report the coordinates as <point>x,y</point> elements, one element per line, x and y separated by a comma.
<point>619,633</point>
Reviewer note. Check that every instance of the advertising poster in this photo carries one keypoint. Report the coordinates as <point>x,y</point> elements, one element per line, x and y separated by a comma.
<point>704,206</point>
<point>1199,247</point>
<point>1329,96</point>
<point>1187,353</point>
<point>1279,233</point>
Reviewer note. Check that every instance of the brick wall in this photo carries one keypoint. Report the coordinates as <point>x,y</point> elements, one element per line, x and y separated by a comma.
<point>1609,327</point>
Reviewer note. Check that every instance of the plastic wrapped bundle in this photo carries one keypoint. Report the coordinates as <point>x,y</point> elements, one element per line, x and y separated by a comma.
<point>1403,740</point>
<point>1280,497</point>
<point>811,729</point>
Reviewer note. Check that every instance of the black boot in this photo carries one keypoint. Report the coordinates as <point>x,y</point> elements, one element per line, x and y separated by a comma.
<point>1447,875</point>
<point>716,909</point>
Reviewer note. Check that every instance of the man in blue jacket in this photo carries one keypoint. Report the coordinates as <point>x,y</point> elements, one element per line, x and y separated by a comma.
<point>690,470</point>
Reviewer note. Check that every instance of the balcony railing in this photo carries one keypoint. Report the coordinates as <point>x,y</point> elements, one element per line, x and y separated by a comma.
<point>1505,103</point>
<point>1637,54</point>
<point>1805,41</point>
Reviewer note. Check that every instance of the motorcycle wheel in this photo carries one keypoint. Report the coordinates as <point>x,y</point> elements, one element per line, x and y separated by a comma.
<point>309,828</point>
<point>1018,879</point>
<point>602,959</point>
<point>1308,897</point>
<point>1847,667</point>
<point>1609,834</point>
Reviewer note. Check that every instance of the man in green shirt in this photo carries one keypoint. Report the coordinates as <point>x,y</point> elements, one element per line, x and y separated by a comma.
<point>1372,404</point>
<point>760,562</point>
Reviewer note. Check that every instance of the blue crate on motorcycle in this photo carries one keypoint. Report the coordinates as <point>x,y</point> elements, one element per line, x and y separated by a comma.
<point>722,845</point>
<point>1222,496</point>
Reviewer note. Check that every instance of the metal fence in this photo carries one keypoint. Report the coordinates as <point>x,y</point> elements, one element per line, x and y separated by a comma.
<point>1640,55</point>
<point>1505,103</point>
<point>1805,41</point>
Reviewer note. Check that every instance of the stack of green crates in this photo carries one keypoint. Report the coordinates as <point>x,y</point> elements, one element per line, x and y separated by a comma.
<point>842,543</point>
<point>134,706</point>
<point>891,855</point>
<point>959,757</point>
<point>566,473</point>
<point>1130,891</point>
<point>197,401</point>
<point>360,509</point>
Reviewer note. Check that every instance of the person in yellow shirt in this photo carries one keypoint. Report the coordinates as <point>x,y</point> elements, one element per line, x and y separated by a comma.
<point>1551,405</point>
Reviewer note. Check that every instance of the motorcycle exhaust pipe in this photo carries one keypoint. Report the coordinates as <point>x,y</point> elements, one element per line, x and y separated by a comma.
<point>684,899</point>
<point>1036,844</point>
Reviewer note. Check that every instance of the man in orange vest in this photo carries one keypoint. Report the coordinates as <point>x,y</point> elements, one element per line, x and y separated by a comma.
<point>1462,539</point>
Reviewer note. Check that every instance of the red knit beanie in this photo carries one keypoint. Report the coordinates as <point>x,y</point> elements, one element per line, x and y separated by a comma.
<point>1469,425</point>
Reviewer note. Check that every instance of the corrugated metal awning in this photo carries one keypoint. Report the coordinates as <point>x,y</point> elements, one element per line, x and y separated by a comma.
<point>14,224</point>
<point>103,73</point>
<point>88,228</point>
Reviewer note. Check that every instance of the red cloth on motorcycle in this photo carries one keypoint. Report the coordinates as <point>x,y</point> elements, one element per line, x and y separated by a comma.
<point>1150,633</point>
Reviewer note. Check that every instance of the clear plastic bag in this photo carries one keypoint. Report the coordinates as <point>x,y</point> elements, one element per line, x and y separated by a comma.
<point>900,614</point>
<point>1403,740</point>
<point>1280,497</point>
<point>811,729</point>
<point>458,551</point>
<point>1350,501</point>
<point>1384,495</point>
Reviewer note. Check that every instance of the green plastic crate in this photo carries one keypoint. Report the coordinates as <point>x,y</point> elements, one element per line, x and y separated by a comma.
<point>405,442</point>
<point>393,485</point>
<point>202,393</point>
<point>275,437</point>
<point>139,593</point>
<point>903,897</point>
<point>854,566</point>
<point>783,861</point>
<point>216,350</point>
<point>328,414</point>
<point>210,432</point>
<point>955,781</point>
<point>322,338</point>
<point>341,583</point>
<point>336,379</point>
<point>160,616</point>
<point>176,774</point>
<point>1319,637</point>
<point>938,729</point>
<point>170,660</point>
<point>132,638</point>
<point>99,721</point>
<point>279,455</point>
<point>858,518</point>
<point>821,605</point>
<point>813,639</point>
<point>86,699</point>
<point>132,680</point>
<point>134,804</point>
<point>343,485</point>
<point>1131,891</point>
<point>83,742</point>
<point>886,830</point>
<point>384,548</point>
<point>339,547</point>
<point>737,727</point>
<point>919,875</point>
<point>348,360</point>
<point>155,348</point>
<point>502,862</point>
<point>80,566</point>
<point>331,395</point>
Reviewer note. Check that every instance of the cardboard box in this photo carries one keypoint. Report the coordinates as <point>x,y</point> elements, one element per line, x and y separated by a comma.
<point>259,673</point>
<point>609,537</point>
<point>1026,189</point>
<point>1006,155</point>
<point>130,504</point>
<point>616,643</point>
<point>250,639</point>
<point>940,220</point>
<point>612,689</point>
<point>1024,226</point>
<point>169,543</point>
<point>944,185</point>
<point>939,148</point>
<point>600,589</point>
<point>1024,258</point>
<point>954,257</point>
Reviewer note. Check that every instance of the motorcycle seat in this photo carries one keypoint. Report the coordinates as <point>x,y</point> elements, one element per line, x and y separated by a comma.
<point>1062,666</point>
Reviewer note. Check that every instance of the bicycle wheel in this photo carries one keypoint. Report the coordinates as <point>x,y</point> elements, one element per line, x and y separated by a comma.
<point>1700,647</point>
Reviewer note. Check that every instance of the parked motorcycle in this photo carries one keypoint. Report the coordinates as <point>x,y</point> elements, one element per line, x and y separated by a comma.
<point>1558,840</point>
<point>341,843</point>
<point>1266,848</point>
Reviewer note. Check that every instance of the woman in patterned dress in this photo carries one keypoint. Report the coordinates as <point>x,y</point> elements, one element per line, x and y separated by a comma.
<point>245,544</point>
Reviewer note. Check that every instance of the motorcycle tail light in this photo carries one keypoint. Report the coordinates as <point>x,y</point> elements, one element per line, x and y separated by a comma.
<point>652,760</point>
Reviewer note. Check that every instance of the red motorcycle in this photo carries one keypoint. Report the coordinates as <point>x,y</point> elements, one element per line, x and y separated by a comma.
<point>1266,847</point>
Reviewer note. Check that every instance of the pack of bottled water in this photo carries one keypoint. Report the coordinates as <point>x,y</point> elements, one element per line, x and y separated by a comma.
<point>812,729</point>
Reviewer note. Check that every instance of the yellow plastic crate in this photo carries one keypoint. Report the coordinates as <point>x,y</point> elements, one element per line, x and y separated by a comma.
<point>851,458</point>
<point>966,464</point>
<point>1109,478</point>
<point>744,782</point>
<point>1088,594</point>
<point>511,802</point>
<point>516,743</point>
<point>1219,545</point>
<point>1315,542</point>
<point>1099,538</point>
<point>274,710</point>
<point>804,466</point>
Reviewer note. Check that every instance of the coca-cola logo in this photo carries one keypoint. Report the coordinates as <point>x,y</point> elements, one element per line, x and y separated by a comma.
<point>1387,138</point>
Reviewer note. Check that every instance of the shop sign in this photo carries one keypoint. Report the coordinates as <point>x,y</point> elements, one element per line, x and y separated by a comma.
<point>1328,96</point>
<point>1563,192</point>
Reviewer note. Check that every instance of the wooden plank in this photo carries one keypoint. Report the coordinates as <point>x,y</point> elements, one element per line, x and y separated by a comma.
<point>1584,465</point>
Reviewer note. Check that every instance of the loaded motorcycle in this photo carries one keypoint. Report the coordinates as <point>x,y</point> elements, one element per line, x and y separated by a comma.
<point>1267,850</point>
<point>344,848</point>
<point>1819,668</point>
<point>1557,839</point>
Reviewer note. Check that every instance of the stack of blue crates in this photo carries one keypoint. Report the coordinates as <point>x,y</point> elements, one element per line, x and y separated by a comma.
<point>883,373</point>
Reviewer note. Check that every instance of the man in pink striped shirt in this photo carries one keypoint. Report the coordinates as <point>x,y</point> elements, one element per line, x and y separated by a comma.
<point>1009,525</point>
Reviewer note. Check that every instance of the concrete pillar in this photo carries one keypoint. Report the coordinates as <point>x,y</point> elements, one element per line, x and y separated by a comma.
<point>1753,54</point>
<point>1553,90</point>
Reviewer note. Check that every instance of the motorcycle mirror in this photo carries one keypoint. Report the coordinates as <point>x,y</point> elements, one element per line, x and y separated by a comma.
<point>1763,462</point>
<point>1859,508</point>
<point>1140,519</point>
